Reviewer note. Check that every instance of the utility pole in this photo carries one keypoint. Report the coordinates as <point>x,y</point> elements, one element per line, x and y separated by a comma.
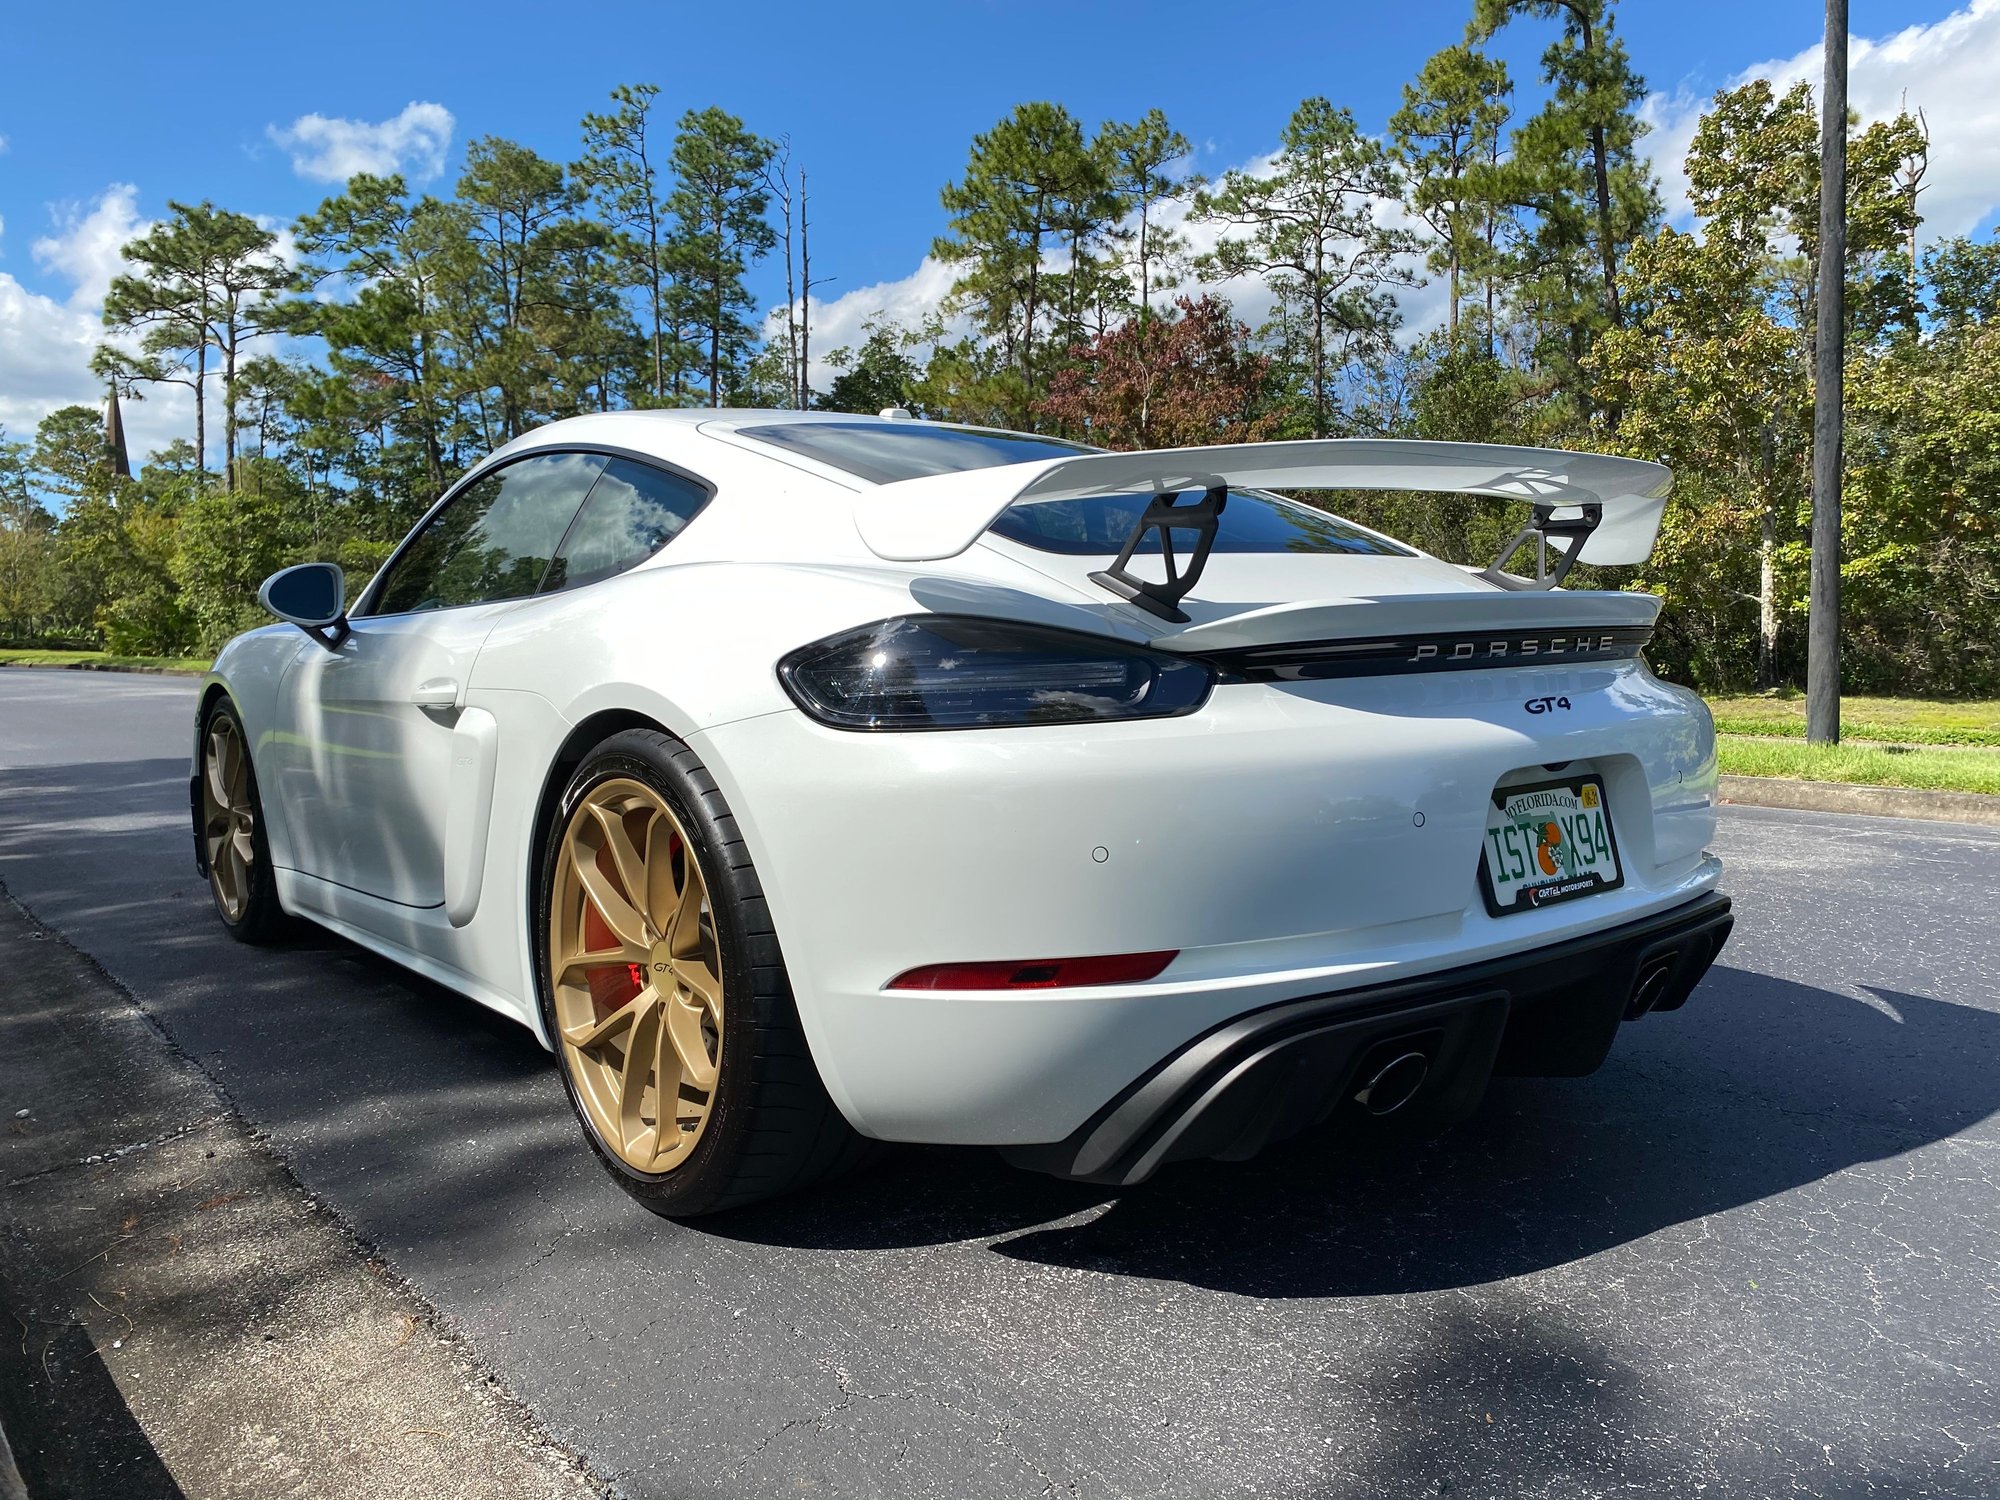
<point>1823,619</point>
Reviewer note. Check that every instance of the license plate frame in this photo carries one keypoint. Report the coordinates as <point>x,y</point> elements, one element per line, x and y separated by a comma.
<point>1522,893</point>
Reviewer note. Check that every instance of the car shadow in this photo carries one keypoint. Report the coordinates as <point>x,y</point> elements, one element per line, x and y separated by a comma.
<point>1758,1086</point>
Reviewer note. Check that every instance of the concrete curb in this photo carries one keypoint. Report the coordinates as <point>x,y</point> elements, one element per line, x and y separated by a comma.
<point>11,1487</point>
<point>97,666</point>
<point>1875,801</point>
<point>231,1336</point>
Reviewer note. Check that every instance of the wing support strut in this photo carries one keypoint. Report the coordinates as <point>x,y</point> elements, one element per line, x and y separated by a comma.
<point>1543,524</point>
<point>1165,517</point>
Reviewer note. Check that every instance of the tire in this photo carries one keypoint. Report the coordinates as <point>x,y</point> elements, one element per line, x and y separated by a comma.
<point>242,886</point>
<point>765,1125</point>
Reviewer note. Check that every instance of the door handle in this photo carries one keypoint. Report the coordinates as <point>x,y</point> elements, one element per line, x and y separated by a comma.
<point>439,692</point>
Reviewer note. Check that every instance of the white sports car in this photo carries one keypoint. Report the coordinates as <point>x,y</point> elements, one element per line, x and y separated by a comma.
<point>804,779</point>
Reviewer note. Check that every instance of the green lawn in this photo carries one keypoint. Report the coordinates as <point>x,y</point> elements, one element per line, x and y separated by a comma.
<point>1907,721</point>
<point>1930,768</point>
<point>11,657</point>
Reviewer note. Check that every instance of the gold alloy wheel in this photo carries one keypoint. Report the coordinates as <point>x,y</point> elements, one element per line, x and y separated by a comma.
<point>636,975</point>
<point>227,821</point>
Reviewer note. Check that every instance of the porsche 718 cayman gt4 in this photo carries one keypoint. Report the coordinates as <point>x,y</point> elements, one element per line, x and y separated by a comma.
<point>803,779</point>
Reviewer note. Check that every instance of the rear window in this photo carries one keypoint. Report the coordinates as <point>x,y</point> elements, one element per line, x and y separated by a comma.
<point>1250,522</point>
<point>885,452</point>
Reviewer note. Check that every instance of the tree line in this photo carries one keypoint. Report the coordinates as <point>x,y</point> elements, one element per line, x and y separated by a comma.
<point>414,333</point>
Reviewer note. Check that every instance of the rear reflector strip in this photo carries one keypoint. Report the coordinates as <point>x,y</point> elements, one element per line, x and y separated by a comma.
<point>1381,656</point>
<point>1037,973</point>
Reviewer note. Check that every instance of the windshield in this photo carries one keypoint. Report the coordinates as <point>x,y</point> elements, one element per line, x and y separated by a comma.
<point>885,452</point>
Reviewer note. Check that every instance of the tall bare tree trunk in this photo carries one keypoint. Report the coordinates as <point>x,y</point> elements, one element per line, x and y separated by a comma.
<point>229,408</point>
<point>805,300</point>
<point>1601,169</point>
<point>201,407</point>
<point>1319,343</point>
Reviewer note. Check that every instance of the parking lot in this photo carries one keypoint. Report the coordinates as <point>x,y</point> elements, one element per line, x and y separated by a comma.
<point>1757,1254</point>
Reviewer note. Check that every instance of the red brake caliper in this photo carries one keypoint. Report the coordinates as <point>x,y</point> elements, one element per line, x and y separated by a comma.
<point>613,986</point>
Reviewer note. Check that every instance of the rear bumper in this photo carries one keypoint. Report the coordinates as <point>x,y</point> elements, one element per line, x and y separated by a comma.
<point>1274,1072</point>
<point>1290,840</point>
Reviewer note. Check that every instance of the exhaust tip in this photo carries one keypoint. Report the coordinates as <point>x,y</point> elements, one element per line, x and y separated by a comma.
<point>1394,1084</point>
<point>1649,991</point>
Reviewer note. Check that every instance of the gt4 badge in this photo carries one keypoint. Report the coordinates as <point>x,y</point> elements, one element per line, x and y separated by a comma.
<point>1545,705</point>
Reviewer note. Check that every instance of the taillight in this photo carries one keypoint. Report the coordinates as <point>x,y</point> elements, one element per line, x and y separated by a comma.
<point>1037,973</point>
<point>960,672</point>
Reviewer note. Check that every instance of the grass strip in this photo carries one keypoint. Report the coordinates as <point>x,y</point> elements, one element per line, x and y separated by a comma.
<point>1909,721</point>
<point>1927,768</point>
<point>35,657</point>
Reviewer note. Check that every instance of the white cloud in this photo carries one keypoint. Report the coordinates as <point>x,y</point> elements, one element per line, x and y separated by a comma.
<point>48,342</point>
<point>48,356</point>
<point>1944,68</point>
<point>841,323</point>
<point>333,150</point>
<point>86,247</point>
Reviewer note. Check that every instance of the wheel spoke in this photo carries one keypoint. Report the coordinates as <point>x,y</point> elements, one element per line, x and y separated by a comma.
<point>218,787</point>
<point>662,841</point>
<point>571,969</point>
<point>686,940</point>
<point>642,1057</point>
<point>703,982</point>
<point>630,863</point>
<point>591,1034</point>
<point>240,842</point>
<point>683,1028</point>
<point>238,773</point>
<point>624,919</point>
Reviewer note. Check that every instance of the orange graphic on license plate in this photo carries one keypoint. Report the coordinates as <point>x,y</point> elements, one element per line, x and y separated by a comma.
<point>1545,852</point>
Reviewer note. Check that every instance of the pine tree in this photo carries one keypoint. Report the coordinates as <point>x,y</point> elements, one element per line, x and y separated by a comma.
<point>208,280</point>
<point>1446,133</point>
<point>717,210</point>
<point>1310,229</point>
<point>1018,195</point>
<point>620,172</point>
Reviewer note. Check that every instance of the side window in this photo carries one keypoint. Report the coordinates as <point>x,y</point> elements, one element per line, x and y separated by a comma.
<point>495,539</point>
<point>633,511</point>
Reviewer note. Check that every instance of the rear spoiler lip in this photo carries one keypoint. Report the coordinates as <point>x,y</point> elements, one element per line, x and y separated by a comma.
<point>938,516</point>
<point>1468,616</point>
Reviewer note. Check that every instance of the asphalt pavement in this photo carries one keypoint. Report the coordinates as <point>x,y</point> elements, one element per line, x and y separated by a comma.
<point>1757,1254</point>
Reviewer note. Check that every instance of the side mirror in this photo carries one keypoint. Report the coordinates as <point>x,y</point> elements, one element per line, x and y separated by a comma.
<point>312,596</point>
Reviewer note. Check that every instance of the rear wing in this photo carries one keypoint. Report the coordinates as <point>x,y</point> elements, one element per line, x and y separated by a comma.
<point>1587,506</point>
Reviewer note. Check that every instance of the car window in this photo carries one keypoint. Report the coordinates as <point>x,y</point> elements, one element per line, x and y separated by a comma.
<point>884,452</point>
<point>633,511</point>
<point>494,540</point>
<point>1250,522</point>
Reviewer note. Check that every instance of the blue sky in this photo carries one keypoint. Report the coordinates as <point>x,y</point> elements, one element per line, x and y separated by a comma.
<point>109,110</point>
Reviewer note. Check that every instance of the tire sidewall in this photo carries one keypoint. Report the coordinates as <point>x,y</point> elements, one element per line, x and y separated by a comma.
<point>640,756</point>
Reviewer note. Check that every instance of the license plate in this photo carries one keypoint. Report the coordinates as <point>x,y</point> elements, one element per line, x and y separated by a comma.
<point>1546,843</point>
